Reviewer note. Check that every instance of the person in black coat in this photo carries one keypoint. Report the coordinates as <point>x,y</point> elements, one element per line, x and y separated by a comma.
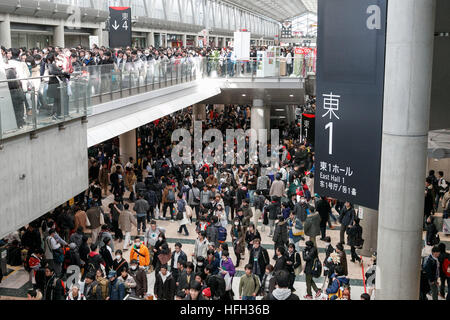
<point>53,288</point>
<point>181,257</point>
<point>431,235</point>
<point>431,272</point>
<point>293,261</point>
<point>165,286</point>
<point>309,256</point>
<point>187,276</point>
<point>355,239</point>
<point>106,254</point>
<point>280,255</point>
<point>259,258</point>
<point>346,218</point>
<point>324,209</point>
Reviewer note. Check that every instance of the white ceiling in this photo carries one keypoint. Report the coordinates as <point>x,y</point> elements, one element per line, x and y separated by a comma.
<point>279,10</point>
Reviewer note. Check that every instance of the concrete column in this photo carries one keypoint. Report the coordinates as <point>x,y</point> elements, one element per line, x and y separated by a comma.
<point>260,117</point>
<point>150,39</point>
<point>184,40</point>
<point>5,32</point>
<point>409,60</point>
<point>369,224</point>
<point>127,145</point>
<point>199,112</point>
<point>99,33</point>
<point>58,35</point>
<point>196,41</point>
<point>165,40</point>
<point>216,41</point>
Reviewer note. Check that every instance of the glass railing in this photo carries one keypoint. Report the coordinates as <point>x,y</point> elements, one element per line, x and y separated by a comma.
<point>32,103</point>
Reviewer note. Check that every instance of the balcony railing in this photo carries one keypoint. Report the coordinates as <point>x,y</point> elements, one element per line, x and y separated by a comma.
<point>33,103</point>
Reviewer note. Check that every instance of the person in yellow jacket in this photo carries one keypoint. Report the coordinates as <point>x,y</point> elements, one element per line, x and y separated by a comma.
<point>139,252</point>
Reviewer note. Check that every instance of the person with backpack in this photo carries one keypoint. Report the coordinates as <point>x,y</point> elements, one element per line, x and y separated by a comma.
<point>168,200</point>
<point>339,283</point>
<point>249,284</point>
<point>115,287</point>
<point>54,251</point>
<point>54,288</point>
<point>152,200</point>
<point>282,291</point>
<point>103,235</point>
<point>311,257</point>
<point>354,239</point>
<point>90,291</point>
<point>181,215</point>
<point>432,237</point>
<point>94,260</point>
<point>280,235</point>
<point>107,254</point>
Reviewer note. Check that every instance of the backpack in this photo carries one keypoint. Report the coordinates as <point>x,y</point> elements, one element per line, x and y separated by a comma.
<point>317,268</point>
<point>62,284</point>
<point>103,287</point>
<point>221,234</point>
<point>171,196</point>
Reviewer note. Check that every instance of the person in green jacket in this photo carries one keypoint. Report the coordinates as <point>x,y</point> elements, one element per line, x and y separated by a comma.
<point>249,284</point>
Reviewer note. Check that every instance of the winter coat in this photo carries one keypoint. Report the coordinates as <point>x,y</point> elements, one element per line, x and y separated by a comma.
<point>80,220</point>
<point>185,219</point>
<point>309,255</point>
<point>347,216</point>
<point>165,290</point>
<point>277,188</point>
<point>212,233</point>
<point>116,290</point>
<point>274,210</point>
<point>126,219</point>
<point>324,209</point>
<point>312,225</point>
<point>280,264</point>
<point>201,248</point>
<point>263,258</point>
<point>241,238</point>
<point>143,255</point>
<point>103,176</point>
<point>183,280</point>
<point>354,238</point>
<point>105,235</point>
<point>140,277</point>
<point>93,215</point>
<point>280,235</point>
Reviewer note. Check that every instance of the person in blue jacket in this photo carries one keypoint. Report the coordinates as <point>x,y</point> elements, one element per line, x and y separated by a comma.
<point>116,289</point>
<point>339,280</point>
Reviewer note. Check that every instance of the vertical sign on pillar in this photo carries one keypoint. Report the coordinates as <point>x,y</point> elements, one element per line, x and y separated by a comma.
<point>119,27</point>
<point>349,114</point>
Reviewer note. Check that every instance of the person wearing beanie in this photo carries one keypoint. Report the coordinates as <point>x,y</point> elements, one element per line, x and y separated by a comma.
<point>115,287</point>
<point>206,293</point>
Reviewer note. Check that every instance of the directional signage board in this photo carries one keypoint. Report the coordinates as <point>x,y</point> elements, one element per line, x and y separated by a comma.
<point>119,27</point>
<point>350,83</point>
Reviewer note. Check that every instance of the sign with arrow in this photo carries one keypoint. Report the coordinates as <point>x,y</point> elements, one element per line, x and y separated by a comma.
<point>119,27</point>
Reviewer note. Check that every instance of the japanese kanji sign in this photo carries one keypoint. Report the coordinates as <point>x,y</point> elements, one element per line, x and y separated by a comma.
<point>349,110</point>
<point>119,27</point>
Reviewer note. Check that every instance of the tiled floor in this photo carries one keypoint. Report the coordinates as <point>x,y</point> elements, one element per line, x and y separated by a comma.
<point>16,283</point>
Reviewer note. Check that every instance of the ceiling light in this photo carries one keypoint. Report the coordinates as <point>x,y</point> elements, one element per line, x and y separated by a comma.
<point>279,110</point>
<point>291,95</point>
<point>244,95</point>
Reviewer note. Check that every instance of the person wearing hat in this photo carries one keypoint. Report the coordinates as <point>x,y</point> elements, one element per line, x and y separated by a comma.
<point>75,293</point>
<point>115,287</point>
<point>206,293</point>
<point>180,295</point>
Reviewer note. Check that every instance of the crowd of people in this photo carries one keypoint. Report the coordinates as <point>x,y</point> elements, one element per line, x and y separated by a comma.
<point>59,66</point>
<point>225,201</point>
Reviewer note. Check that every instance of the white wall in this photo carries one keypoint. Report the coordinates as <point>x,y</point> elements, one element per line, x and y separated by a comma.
<point>55,168</point>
